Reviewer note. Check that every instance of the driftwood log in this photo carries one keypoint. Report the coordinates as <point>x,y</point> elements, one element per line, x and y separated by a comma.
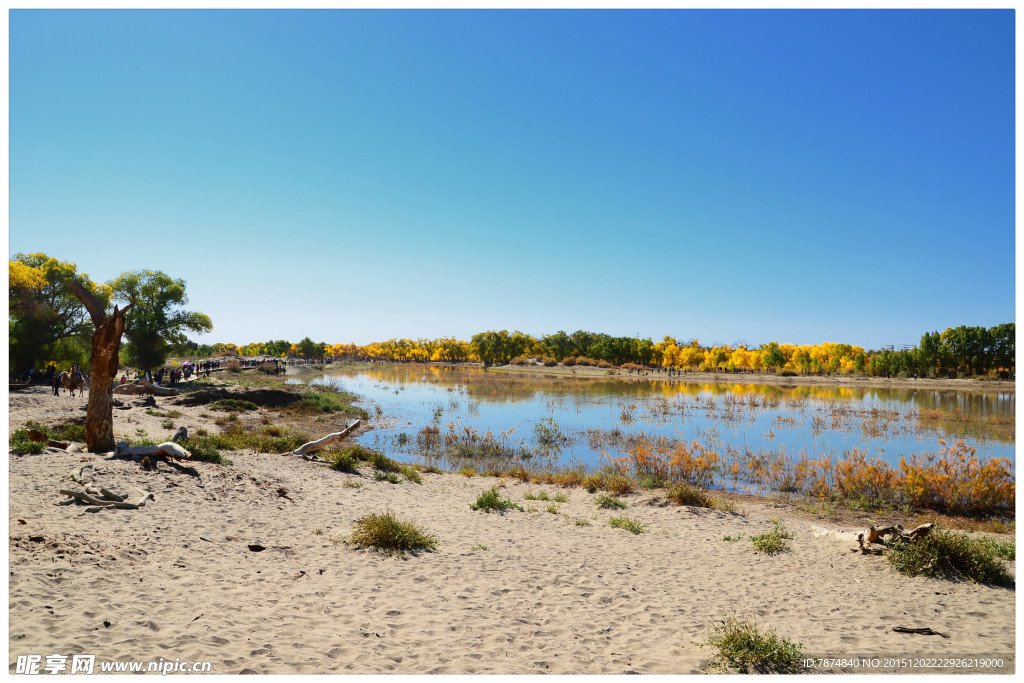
<point>313,446</point>
<point>890,535</point>
<point>99,497</point>
<point>166,449</point>
<point>141,386</point>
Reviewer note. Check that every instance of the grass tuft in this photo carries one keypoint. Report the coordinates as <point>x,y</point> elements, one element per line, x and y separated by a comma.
<point>693,496</point>
<point>609,502</point>
<point>743,648</point>
<point>628,524</point>
<point>492,500</point>
<point>390,535</point>
<point>774,541</point>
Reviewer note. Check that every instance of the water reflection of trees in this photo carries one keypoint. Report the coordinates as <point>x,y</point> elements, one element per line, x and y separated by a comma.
<point>874,413</point>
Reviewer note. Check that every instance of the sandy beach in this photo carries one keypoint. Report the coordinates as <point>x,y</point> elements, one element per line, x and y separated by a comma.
<point>524,592</point>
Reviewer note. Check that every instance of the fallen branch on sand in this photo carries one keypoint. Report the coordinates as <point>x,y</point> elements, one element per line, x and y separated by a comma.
<point>312,446</point>
<point>141,386</point>
<point>167,449</point>
<point>896,534</point>
<point>99,497</point>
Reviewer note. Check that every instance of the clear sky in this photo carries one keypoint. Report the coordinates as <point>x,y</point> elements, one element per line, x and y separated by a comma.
<point>800,176</point>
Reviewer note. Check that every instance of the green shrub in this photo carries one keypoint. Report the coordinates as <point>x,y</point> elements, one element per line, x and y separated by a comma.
<point>20,443</point>
<point>326,400</point>
<point>203,449</point>
<point>492,500</point>
<point>609,502</point>
<point>742,647</point>
<point>774,541</point>
<point>1006,550</point>
<point>650,481</point>
<point>68,432</point>
<point>343,461</point>
<point>627,524</point>
<point>387,476</point>
<point>950,555</point>
<point>390,535</point>
<point>233,404</point>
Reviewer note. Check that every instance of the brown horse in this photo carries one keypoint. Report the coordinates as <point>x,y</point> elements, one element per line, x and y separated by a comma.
<point>71,382</point>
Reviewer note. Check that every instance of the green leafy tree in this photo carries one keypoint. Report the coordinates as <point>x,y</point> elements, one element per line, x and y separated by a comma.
<point>46,321</point>
<point>156,322</point>
<point>557,345</point>
<point>311,349</point>
<point>278,348</point>
<point>773,357</point>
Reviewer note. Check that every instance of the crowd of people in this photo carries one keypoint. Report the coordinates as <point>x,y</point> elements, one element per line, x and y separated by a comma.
<point>173,376</point>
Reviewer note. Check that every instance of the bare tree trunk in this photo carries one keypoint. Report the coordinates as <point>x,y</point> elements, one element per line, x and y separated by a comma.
<point>106,342</point>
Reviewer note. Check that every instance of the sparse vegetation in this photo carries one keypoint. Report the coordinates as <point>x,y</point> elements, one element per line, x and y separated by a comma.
<point>952,555</point>
<point>558,497</point>
<point>20,443</point>
<point>742,647</point>
<point>628,524</point>
<point>390,535</point>
<point>685,494</point>
<point>609,502</point>
<point>774,541</point>
<point>204,449</point>
<point>233,405</point>
<point>492,500</point>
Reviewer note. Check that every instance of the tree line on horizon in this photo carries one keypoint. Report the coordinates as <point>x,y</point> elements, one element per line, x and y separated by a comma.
<point>962,351</point>
<point>47,323</point>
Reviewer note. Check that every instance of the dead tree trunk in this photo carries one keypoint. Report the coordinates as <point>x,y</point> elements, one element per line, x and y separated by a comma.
<point>106,342</point>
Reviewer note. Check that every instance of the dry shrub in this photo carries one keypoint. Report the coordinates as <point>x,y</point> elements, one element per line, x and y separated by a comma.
<point>670,461</point>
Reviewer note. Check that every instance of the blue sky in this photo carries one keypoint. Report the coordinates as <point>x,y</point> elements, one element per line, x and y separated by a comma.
<point>800,176</point>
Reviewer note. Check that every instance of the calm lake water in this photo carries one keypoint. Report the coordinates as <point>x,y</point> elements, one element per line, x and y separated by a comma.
<point>598,417</point>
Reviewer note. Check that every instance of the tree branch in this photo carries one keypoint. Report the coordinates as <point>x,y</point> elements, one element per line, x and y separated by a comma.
<point>92,304</point>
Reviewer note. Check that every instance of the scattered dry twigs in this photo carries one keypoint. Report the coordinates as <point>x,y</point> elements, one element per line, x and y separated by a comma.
<point>98,497</point>
<point>312,446</point>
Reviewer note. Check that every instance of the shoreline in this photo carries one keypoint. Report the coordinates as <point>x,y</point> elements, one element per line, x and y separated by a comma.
<point>248,566</point>
<point>971,385</point>
<point>592,372</point>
